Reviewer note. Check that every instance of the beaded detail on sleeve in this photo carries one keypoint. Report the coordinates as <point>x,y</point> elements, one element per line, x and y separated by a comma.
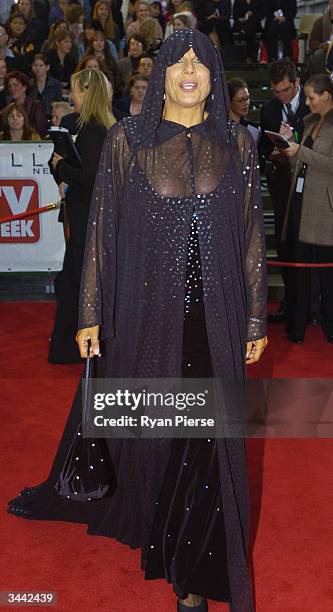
<point>255,272</point>
<point>96,306</point>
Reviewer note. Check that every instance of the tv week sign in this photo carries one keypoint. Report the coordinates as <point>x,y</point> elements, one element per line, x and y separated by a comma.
<point>19,196</point>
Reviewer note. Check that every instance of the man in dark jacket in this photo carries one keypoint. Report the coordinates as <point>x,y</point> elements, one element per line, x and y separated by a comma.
<point>247,17</point>
<point>214,20</point>
<point>287,106</point>
<point>280,26</point>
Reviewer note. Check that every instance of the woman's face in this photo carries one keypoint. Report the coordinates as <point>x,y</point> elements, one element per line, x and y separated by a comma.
<point>135,48</point>
<point>316,102</point>
<point>89,32</point>
<point>92,63</point>
<point>240,104</point>
<point>17,26</point>
<point>176,2</point>
<point>99,42</point>
<point>15,120</point>
<point>24,7</point>
<point>3,36</point>
<point>3,69</point>
<point>57,115</point>
<point>61,27</point>
<point>187,82</point>
<point>16,89</point>
<point>102,12</point>
<point>145,66</point>
<point>77,97</point>
<point>143,12</point>
<point>138,91</point>
<point>40,69</point>
<point>65,45</point>
<point>178,24</point>
<point>155,10</point>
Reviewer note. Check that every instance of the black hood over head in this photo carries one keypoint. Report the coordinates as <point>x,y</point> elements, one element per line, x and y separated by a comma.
<point>141,129</point>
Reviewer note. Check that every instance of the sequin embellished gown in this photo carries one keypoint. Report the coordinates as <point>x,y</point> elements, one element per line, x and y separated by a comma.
<point>174,274</point>
<point>180,521</point>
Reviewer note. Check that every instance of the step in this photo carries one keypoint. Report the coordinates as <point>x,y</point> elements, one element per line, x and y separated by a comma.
<point>27,286</point>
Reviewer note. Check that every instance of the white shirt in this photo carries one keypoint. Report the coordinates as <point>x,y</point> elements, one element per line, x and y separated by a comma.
<point>294,106</point>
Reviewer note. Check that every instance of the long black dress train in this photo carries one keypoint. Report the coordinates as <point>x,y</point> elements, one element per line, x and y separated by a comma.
<point>164,194</point>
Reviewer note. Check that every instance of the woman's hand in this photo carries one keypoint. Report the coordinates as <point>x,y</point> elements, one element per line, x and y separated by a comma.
<point>82,337</point>
<point>61,188</point>
<point>55,159</point>
<point>292,150</point>
<point>254,349</point>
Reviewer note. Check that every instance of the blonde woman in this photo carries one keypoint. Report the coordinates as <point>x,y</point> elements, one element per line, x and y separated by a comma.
<point>59,111</point>
<point>178,10</point>
<point>142,11</point>
<point>92,97</point>
<point>148,31</point>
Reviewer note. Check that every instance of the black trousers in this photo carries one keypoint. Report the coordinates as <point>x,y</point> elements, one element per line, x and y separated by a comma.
<point>249,29</point>
<point>276,31</point>
<point>222,28</point>
<point>279,182</point>
<point>63,347</point>
<point>300,288</point>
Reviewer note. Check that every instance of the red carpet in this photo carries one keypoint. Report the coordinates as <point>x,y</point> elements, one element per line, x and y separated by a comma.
<point>291,490</point>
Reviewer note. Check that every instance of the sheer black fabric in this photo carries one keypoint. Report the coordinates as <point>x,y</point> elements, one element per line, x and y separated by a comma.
<point>154,174</point>
<point>160,189</point>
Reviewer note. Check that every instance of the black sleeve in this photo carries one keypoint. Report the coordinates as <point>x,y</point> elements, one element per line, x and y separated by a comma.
<point>255,266</point>
<point>269,8</point>
<point>202,9</point>
<point>117,16</point>
<point>259,9</point>
<point>289,8</point>
<point>226,9</point>
<point>89,148</point>
<point>238,10</point>
<point>268,121</point>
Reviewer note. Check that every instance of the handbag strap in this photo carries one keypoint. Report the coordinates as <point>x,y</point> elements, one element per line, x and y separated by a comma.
<point>86,387</point>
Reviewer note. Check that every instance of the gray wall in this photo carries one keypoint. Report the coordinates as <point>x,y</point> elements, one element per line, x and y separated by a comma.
<point>312,6</point>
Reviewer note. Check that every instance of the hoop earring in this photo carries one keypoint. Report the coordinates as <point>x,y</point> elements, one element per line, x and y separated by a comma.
<point>164,96</point>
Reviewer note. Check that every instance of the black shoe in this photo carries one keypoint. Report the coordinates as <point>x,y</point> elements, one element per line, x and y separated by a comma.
<point>329,339</point>
<point>280,316</point>
<point>203,607</point>
<point>294,338</point>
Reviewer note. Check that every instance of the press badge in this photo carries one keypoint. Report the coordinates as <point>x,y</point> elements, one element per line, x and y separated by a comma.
<point>300,184</point>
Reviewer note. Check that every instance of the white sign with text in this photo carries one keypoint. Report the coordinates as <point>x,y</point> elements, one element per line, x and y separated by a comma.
<point>34,243</point>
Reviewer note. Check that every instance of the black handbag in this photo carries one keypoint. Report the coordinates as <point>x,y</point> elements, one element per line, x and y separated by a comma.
<point>88,472</point>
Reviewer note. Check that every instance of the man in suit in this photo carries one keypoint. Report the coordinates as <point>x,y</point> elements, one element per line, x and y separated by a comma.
<point>280,26</point>
<point>128,65</point>
<point>247,19</point>
<point>287,107</point>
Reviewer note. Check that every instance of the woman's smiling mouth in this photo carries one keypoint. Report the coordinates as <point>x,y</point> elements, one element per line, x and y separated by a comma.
<point>188,85</point>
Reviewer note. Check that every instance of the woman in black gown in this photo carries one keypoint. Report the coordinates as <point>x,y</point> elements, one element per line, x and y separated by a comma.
<point>174,282</point>
<point>92,100</point>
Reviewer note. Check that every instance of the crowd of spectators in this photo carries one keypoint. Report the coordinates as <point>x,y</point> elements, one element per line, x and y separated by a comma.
<point>44,42</point>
